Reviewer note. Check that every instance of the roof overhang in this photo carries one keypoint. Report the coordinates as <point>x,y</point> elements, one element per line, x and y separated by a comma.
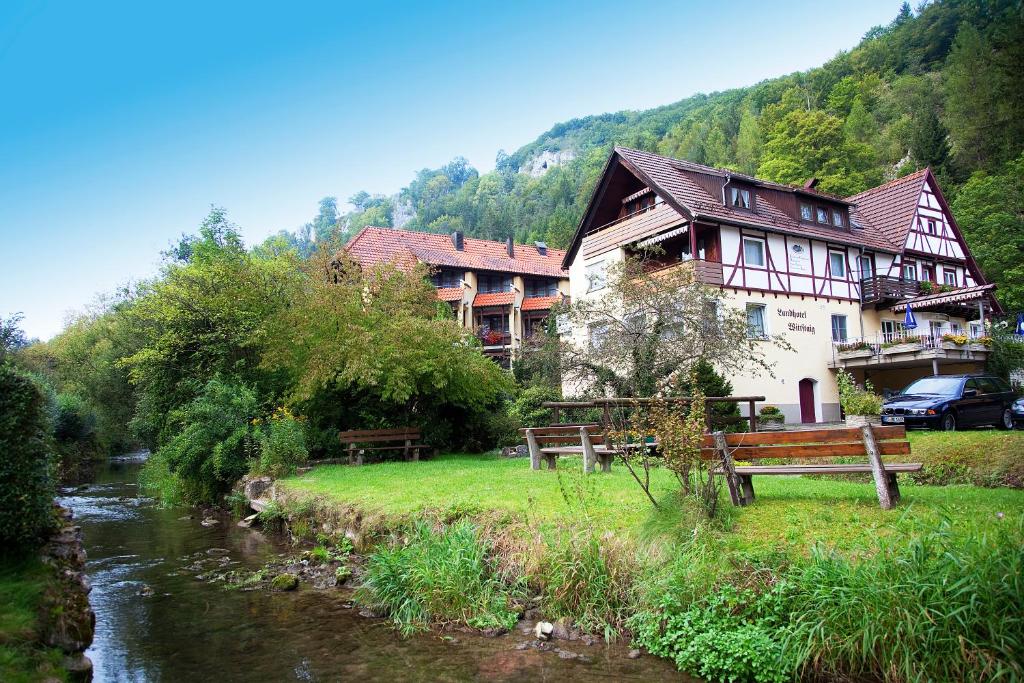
<point>955,301</point>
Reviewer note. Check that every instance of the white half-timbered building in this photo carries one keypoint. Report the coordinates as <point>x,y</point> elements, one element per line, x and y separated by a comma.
<point>834,275</point>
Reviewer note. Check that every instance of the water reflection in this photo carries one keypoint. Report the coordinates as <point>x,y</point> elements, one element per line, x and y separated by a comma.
<point>157,622</point>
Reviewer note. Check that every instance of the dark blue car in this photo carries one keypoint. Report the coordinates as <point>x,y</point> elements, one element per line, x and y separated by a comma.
<point>952,402</point>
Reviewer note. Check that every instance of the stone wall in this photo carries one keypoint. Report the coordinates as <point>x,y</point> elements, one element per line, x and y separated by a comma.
<point>69,622</point>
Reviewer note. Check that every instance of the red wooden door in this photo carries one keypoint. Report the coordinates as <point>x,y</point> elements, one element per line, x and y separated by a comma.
<point>807,400</point>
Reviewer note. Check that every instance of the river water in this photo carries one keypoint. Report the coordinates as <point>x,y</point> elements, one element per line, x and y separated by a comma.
<point>155,621</point>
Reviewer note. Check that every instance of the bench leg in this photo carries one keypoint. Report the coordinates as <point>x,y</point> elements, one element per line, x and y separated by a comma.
<point>606,462</point>
<point>359,457</point>
<point>351,454</point>
<point>416,454</point>
<point>747,486</point>
<point>894,488</point>
<point>589,456</point>
<point>534,448</point>
<point>552,460</point>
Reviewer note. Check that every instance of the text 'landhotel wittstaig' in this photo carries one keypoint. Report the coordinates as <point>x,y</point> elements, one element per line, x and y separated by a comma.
<point>793,326</point>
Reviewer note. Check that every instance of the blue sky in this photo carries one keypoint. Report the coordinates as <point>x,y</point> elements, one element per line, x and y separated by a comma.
<point>122,122</point>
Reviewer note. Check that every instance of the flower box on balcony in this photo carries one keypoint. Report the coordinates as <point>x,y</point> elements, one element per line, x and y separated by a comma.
<point>854,353</point>
<point>901,347</point>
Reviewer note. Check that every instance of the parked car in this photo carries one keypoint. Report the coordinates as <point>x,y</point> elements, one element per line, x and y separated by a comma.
<point>1018,413</point>
<point>951,402</point>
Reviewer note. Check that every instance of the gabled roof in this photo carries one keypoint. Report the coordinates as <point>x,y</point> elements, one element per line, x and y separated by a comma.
<point>372,246</point>
<point>684,186</point>
<point>890,208</point>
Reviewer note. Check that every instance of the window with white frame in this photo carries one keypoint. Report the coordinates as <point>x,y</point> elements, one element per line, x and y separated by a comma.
<point>837,264</point>
<point>955,328</point>
<point>892,329</point>
<point>949,276</point>
<point>739,197</point>
<point>753,252</point>
<point>597,276</point>
<point>838,327</point>
<point>910,271</point>
<point>931,226</point>
<point>756,324</point>
<point>867,266</point>
<point>977,330</point>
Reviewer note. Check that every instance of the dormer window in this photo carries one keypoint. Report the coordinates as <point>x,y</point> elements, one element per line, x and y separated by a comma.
<point>806,212</point>
<point>739,198</point>
<point>822,215</point>
<point>838,219</point>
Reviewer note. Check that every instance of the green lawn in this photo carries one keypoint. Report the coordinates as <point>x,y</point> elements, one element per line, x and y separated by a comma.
<point>790,513</point>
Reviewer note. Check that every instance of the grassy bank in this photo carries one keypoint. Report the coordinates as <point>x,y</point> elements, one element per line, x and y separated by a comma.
<point>778,589</point>
<point>23,584</point>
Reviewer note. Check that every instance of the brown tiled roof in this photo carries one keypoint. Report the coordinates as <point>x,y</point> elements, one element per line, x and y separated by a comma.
<point>678,182</point>
<point>540,303</point>
<point>494,299</point>
<point>388,245</point>
<point>890,208</point>
<point>449,293</point>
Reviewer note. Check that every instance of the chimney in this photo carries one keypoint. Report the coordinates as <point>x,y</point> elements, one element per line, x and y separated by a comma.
<point>510,247</point>
<point>542,248</point>
<point>810,184</point>
<point>457,240</point>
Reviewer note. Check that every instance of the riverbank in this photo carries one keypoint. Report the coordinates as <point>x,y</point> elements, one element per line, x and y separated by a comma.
<point>590,551</point>
<point>46,622</point>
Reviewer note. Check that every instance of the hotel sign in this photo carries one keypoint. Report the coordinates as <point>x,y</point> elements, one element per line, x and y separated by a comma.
<point>793,325</point>
<point>799,261</point>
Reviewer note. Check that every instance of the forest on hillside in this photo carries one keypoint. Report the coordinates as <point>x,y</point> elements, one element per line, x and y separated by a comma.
<point>939,86</point>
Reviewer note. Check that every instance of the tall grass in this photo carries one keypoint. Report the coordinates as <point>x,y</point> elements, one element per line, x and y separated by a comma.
<point>939,607</point>
<point>440,576</point>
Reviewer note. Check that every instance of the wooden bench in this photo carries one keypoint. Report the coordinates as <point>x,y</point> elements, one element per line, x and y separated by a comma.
<point>548,443</point>
<point>405,439</point>
<point>869,442</point>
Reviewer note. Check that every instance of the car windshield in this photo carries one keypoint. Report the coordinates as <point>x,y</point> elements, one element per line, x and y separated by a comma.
<point>935,386</point>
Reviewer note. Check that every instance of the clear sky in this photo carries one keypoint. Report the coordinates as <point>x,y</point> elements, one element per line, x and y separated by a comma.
<point>121,123</point>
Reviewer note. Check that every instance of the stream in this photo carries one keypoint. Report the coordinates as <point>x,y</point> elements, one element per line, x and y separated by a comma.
<point>155,621</point>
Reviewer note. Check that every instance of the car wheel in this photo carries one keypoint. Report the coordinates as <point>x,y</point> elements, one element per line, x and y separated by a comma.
<point>949,422</point>
<point>1007,421</point>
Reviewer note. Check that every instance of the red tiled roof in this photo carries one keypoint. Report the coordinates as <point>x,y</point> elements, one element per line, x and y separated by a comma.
<point>385,245</point>
<point>449,294</point>
<point>678,179</point>
<point>890,208</point>
<point>494,299</point>
<point>540,303</point>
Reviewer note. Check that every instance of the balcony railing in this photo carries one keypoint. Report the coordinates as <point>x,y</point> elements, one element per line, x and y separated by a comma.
<point>881,288</point>
<point>493,339</point>
<point>903,342</point>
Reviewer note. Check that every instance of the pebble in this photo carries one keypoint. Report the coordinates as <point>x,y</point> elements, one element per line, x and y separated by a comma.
<point>634,654</point>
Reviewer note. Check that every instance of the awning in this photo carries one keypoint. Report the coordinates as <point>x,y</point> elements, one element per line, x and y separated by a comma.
<point>957,296</point>
<point>663,236</point>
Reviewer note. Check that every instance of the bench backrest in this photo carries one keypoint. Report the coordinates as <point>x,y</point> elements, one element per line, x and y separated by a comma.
<point>379,435</point>
<point>810,443</point>
<point>565,434</point>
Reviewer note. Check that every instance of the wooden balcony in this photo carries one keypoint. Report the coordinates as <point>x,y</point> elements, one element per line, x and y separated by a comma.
<point>882,289</point>
<point>707,272</point>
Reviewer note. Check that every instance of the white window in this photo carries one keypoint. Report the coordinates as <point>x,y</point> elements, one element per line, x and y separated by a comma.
<point>597,276</point>
<point>910,272</point>
<point>931,226</point>
<point>838,328</point>
<point>977,330</point>
<point>949,276</point>
<point>739,197</point>
<point>892,329</point>
<point>956,328</point>
<point>756,328</point>
<point>598,335</point>
<point>837,264</point>
<point>838,219</point>
<point>867,266</point>
<point>753,252</point>
<point>806,212</point>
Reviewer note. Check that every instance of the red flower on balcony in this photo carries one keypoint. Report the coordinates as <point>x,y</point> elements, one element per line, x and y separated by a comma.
<point>493,337</point>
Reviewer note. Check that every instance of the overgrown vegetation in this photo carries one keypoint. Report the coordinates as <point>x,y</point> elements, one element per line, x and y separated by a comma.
<point>857,400</point>
<point>440,576</point>
<point>23,582</point>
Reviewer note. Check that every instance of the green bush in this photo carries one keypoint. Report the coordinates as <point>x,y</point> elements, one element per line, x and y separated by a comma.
<point>856,400</point>
<point>442,576</point>
<point>27,490</point>
<point>209,451</point>
<point>526,409</point>
<point>282,444</point>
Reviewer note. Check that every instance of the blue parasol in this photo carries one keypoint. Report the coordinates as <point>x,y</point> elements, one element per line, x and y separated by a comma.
<point>1020,324</point>
<point>909,321</point>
